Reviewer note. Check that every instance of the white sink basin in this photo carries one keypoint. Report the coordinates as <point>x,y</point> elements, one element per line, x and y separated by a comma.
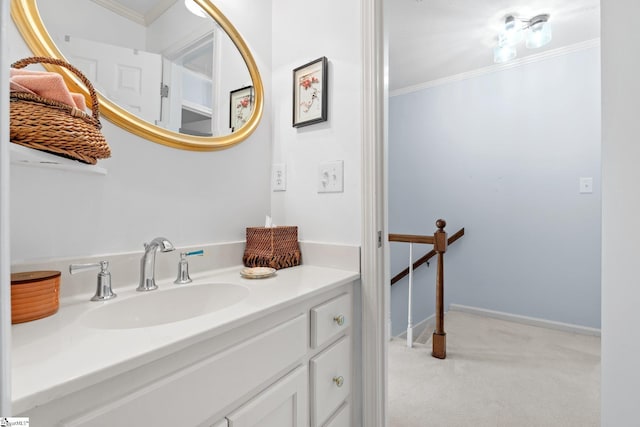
<point>164,306</point>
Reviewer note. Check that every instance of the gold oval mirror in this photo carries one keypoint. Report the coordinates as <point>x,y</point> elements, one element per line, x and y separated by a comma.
<point>182,122</point>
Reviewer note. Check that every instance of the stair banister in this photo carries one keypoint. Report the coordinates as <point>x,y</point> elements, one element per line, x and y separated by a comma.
<point>409,314</point>
<point>440,242</point>
<point>425,259</point>
<point>439,335</point>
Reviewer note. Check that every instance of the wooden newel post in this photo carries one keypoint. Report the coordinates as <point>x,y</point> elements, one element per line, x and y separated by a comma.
<point>439,336</point>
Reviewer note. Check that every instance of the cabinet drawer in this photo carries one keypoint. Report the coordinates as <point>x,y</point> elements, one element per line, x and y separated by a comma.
<point>342,417</point>
<point>330,380</point>
<point>330,319</point>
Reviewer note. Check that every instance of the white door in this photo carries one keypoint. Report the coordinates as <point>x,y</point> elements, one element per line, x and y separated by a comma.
<point>284,404</point>
<point>131,78</point>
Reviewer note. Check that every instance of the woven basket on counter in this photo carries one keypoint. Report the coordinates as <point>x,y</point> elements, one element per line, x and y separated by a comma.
<point>55,127</point>
<point>275,247</point>
<point>34,295</point>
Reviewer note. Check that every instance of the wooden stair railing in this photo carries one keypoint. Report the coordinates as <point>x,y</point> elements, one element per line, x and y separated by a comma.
<point>425,259</point>
<point>439,241</point>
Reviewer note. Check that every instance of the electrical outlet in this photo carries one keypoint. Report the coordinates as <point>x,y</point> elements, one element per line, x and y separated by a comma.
<point>279,179</point>
<point>331,177</point>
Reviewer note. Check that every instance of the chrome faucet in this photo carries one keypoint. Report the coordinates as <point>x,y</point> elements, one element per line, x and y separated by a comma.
<point>148,263</point>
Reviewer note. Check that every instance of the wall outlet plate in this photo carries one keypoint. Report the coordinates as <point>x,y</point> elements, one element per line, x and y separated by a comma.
<point>331,177</point>
<point>279,177</point>
<point>586,185</point>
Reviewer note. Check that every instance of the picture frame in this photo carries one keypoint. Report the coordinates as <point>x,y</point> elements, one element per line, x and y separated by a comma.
<point>240,107</point>
<point>310,89</point>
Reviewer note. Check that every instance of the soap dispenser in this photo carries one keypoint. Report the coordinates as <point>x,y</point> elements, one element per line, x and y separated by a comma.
<point>183,267</point>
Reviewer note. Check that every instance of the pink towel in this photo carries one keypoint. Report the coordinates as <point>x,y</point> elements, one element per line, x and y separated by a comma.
<point>45,84</point>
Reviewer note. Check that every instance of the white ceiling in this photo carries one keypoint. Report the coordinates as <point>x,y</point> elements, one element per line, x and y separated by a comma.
<point>433,39</point>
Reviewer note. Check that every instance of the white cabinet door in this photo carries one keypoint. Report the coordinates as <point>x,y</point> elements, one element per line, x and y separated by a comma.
<point>206,387</point>
<point>342,417</point>
<point>283,404</point>
<point>129,77</point>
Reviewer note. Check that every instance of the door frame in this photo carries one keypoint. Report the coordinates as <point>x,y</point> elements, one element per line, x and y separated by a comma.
<point>5,263</point>
<point>374,255</point>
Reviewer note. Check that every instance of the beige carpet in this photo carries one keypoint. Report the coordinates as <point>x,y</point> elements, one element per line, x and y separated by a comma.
<point>496,373</point>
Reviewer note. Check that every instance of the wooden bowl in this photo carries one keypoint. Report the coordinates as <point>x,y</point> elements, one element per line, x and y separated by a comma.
<point>34,295</point>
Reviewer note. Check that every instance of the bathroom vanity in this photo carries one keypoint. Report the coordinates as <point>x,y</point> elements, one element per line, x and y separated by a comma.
<point>221,351</point>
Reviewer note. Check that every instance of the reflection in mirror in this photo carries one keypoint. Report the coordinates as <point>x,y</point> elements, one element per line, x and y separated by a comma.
<point>163,63</point>
<point>159,63</point>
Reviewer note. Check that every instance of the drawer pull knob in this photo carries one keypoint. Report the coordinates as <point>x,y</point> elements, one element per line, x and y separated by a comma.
<point>339,320</point>
<point>338,380</point>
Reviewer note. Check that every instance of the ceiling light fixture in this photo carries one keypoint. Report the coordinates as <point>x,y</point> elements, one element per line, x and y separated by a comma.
<point>538,34</point>
<point>195,8</point>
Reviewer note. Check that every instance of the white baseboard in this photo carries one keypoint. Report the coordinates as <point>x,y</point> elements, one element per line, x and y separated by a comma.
<point>534,321</point>
<point>419,328</point>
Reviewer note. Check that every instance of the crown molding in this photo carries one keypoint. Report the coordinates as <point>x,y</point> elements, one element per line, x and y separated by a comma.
<point>122,10</point>
<point>552,53</point>
<point>130,14</point>
<point>160,8</point>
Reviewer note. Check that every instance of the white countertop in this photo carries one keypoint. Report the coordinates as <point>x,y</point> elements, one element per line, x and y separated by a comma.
<point>58,355</point>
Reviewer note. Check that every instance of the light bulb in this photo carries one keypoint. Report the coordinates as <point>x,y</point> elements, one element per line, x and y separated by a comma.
<point>194,8</point>
<point>511,34</point>
<point>503,54</point>
<point>539,33</point>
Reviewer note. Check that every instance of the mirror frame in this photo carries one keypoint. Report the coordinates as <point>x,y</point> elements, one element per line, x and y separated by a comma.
<point>27,18</point>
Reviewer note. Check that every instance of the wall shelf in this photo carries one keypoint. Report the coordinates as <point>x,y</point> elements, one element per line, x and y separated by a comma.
<point>24,156</point>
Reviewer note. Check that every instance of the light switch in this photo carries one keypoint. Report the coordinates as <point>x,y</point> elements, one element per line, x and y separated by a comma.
<point>279,179</point>
<point>586,185</point>
<point>331,177</point>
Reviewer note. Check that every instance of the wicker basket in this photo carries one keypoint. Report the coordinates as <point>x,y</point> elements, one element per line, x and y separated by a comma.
<point>34,295</point>
<point>56,127</point>
<point>275,247</point>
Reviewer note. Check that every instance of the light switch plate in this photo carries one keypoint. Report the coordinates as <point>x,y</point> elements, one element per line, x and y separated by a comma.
<point>586,185</point>
<point>279,178</point>
<point>331,177</point>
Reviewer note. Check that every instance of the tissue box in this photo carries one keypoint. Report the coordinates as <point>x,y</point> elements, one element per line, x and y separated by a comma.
<point>275,247</point>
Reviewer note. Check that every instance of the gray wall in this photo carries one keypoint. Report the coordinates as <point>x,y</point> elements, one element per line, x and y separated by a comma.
<point>501,155</point>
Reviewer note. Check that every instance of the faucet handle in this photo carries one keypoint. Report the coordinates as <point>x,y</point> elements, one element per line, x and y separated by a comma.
<point>103,288</point>
<point>199,252</point>
<point>183,267</point>
<point>76,268</point>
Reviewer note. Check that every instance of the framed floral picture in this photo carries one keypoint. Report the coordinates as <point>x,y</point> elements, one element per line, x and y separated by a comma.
<point>241,105</point>
<point>310,93</point>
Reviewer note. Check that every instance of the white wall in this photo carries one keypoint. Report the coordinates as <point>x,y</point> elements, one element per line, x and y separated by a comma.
<point>90,21</point>
<point>620,206</point>
<point>501,155</point>
<point>150,189</point>
<point>304,31</point>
